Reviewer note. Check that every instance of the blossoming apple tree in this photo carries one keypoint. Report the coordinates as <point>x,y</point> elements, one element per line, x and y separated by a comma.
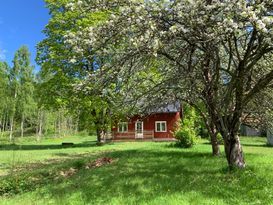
<point>215,51</point>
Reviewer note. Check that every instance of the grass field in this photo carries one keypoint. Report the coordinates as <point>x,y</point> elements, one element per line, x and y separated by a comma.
<point>141,173</point>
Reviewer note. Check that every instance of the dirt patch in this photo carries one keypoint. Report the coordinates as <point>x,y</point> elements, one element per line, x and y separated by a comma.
<point>89,165</point>
<point>22,167</point>
<point>99,162</point>
<point>3,172</point>
<point>68,173</point>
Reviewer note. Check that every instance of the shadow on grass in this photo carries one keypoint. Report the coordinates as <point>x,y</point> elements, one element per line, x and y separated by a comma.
<point>141,176</point>
<point>254,145</point>
<point>62,154</point>
<point>45,147</point>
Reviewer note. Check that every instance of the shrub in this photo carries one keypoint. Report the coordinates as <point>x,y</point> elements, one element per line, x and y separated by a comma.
<point>186,137</point>
<point>203,132</point>
<point>186,134</point>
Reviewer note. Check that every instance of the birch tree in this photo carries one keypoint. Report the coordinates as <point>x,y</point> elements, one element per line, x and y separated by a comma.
<point>23,81</point>
<point>4,95</point>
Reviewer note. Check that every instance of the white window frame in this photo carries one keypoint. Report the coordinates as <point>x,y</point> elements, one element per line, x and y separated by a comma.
<point>161,122</point>
<point>122,128</point>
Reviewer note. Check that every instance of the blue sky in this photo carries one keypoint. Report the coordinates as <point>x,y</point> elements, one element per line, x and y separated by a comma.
<point>21,23</point>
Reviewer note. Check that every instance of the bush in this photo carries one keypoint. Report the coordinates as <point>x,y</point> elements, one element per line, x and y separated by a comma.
<point>187,130</point>
<point>186,137</point>
<point>203,132</point>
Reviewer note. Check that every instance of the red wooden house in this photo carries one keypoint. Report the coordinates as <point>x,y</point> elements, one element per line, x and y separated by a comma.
<point>157,125</point>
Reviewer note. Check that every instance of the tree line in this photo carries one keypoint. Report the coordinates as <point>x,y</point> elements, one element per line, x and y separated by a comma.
<point>23,108</point>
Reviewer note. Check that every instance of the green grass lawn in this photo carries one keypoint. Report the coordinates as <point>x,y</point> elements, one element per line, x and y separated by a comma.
<point>142,173</point>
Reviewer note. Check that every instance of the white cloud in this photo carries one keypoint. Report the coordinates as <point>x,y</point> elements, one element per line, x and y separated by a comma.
<point>2,52</point>
<point>2,55</point>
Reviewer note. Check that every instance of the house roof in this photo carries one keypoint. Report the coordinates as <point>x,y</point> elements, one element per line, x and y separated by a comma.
<point>165,108</point>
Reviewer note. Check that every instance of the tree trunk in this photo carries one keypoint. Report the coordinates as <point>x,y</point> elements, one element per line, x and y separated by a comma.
<point>215,144</point>
<point>11,130</point>
<point>59,124</point>
<point>77,125</point>
<point>1,125</point>
<point>6,123</point>
<point>98,135</point>
<point>213,137</point>
<point>209,94</point>
<point>40,125</point>
<point>40,132</point>
<point>234,152</point>
<point>101,135</point>
<point>22,126</point>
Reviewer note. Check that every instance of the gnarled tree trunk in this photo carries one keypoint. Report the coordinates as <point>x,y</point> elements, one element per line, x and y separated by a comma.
<point>234,151</point>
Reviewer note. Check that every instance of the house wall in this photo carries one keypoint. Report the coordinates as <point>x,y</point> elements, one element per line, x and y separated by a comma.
<point>149,124</point>
<point>249,131</point>
<point>269,134</point>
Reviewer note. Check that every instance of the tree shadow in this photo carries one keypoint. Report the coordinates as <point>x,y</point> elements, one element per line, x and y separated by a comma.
<point>140,176</point>
<point>62,154</point>
<point>46,147</point>
<point>254,145</point>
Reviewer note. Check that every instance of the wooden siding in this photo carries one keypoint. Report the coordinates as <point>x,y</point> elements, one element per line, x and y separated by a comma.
<point>149,126</point>
<point>147,134</point>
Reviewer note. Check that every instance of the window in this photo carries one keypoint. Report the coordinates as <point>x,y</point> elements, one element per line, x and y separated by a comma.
<point>161,126</point>
<point>123,127</point>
